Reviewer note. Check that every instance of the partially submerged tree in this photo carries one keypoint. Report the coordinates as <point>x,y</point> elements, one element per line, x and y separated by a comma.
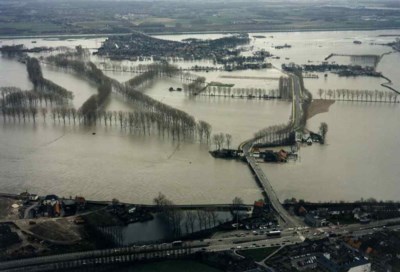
<point>323,128</point>
<point>228,139</point>
<point>219,140</point>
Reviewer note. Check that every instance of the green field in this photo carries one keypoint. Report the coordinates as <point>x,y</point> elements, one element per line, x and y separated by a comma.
<point>84,17</point>
<point>258,254</point>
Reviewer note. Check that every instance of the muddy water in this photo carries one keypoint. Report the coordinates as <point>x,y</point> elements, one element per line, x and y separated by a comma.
<point>359,159</point>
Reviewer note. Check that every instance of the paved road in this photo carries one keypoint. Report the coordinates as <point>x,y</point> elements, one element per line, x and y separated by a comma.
<point>272,197</point>
<point>246,240</point>
<point>298,98</point>
<point>297,114</point>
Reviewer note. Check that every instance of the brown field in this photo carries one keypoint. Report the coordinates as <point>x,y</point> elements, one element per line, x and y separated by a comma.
<point>318,106</point>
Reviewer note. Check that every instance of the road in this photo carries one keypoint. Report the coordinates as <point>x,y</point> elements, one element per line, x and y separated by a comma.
<point>296,123</point>
<point>297,103</point>
<point>272,197</point>
<point>246,240</point>
<point>127,254</point>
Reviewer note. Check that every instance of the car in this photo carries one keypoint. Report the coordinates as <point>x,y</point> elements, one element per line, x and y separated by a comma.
<point>238,247</point>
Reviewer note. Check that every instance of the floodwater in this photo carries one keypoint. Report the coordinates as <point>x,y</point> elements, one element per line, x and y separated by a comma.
<point>69,160</point>
<point>239,117</point>
<point>81,88</point>
<point>358,160</point>
<point>157,229</point>
<point>13,73</point>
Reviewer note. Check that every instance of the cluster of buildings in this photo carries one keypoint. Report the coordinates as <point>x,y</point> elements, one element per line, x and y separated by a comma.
<point>141,45</point>
<point>320,255</point>
<point>382,248</point>
<point>51,205</point>
<point>321,214</point>
<point>270,155</point>
<point>309,138</point>
<point>341,70</point>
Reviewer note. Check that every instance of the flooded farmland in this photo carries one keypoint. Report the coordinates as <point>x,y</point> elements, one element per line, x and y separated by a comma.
<point>359,159</point>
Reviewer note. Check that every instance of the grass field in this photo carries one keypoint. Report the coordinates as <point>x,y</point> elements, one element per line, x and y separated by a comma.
<point>85,17</point>
<point>258,254</point>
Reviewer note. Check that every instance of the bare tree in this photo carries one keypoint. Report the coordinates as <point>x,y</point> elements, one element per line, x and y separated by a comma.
<point>219,140</point>
<point>228,138</point>
<point>237,202</point>
<point>190,220</point>
<point>43,111</point>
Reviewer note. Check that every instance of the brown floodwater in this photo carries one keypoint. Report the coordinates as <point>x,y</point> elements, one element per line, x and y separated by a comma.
<point>359,159</point>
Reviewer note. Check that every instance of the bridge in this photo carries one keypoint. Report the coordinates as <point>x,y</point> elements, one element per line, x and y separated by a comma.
<point>135,254</point>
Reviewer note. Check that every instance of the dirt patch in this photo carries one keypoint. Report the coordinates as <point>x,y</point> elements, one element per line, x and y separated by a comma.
<point>56,231</point>
<point>319,106</point>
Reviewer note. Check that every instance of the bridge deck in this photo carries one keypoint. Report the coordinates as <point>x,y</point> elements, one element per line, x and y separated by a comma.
<point>273,199</point>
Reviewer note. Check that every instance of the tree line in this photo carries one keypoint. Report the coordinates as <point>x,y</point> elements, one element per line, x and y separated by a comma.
<point>13,97</point>
<point>41,84</point>
<point>358,95</point>
<point>152,72</point>
<point>275,135</point>
<point>196,86</point>
<point>175,122</point>
<point>191,220</point>
<point>284,88</point>
<point>94,103</point>
<point>222,139</point>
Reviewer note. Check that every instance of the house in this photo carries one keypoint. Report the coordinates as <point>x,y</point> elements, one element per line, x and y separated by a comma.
<point>282,155</point>
<point>355,264</point>
<point>50,199</point>
<point>33,197</point>
<point>269,156</point>
<point>258,208</point>
<point>69,207</point>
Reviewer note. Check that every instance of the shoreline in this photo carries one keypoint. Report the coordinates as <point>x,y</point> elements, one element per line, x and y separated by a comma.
<point>99,35</point>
